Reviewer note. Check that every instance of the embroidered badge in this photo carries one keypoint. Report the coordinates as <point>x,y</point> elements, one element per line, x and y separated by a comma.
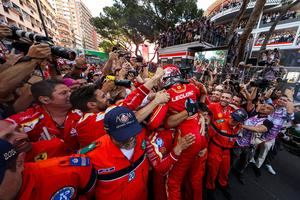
<point>64,193</point>
<point>79,161</point>
<point>41,156</point>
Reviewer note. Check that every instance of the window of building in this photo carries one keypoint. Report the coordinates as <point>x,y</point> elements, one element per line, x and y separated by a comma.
<point>6,5</point>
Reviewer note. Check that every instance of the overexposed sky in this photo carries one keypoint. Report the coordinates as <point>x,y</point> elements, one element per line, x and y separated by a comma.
<point>96,6</point>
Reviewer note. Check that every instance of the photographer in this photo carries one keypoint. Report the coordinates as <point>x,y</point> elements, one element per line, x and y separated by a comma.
<point>79,70</point>
<point>13,76</point>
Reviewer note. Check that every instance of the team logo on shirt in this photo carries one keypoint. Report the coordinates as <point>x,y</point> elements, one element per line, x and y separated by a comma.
<point>41,156</point>
<point>220,115</point>
<point>65,193</point>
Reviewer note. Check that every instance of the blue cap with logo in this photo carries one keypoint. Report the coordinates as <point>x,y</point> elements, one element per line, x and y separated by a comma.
<point>239,115</point>
<point>121,123</point>
<point>7,153</point>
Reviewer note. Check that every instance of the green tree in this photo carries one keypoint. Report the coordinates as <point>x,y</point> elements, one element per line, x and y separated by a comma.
<point>135,21</point>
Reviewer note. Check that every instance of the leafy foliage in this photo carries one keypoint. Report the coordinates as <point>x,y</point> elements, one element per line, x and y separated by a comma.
<point>134,21</point>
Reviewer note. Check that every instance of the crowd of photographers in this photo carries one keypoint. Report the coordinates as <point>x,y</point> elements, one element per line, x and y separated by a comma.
<point>201,30</point>
<point>98,131</point>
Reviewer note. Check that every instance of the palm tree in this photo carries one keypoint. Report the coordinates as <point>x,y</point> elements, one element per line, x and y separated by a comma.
<point>259,5</point>
<point>237,20</point>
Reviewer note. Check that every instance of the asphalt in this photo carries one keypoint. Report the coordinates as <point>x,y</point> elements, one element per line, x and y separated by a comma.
<point>285,185</point>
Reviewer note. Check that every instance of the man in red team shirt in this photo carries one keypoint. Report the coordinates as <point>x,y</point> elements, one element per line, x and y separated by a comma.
<point>223,134</point>
<point>221,109</point>
<point>70,177</point>
<point>51,117</point>
<point>93,103</point>
<point>181,92</point>
<point>163,155</point>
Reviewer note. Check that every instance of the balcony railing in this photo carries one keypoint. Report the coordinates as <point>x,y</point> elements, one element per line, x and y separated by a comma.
<point>237,8</point>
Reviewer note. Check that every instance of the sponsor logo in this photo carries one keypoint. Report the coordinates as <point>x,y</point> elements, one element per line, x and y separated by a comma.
<point>65,193</point>
<point>105,170</point>
<point>9,154</point>
<point>159,142</point>
<point>41,156</point>
<point>182,96</point>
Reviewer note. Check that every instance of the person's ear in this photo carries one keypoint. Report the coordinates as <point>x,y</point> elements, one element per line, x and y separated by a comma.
<point>20,161</point>
<point>44,99</point>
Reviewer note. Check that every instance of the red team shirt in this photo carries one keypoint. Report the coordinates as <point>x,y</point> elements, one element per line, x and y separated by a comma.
<point>90,127</point>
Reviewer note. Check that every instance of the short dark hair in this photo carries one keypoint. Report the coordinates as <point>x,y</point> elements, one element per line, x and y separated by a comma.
<point>227,92</point>
<point>44,88</point>
<point>80,97</point>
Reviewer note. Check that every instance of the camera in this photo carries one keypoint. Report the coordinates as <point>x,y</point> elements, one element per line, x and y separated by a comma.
<point>132,72</point>
<point>56,50</point>
<point>125,83</point>
<point>261,83</point>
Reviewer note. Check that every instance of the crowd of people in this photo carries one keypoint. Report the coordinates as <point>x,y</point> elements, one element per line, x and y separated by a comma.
<point>280,37</point>
<point>229,5</point>
<point>201,30</point>
<point>271,17</point>
<point>118,131</point>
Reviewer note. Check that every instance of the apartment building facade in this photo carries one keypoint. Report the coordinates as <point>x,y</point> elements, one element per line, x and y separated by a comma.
<point>24,14</point>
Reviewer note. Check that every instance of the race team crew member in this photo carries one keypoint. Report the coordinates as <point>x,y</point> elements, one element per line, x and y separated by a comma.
<point>93,102</point>
<point>35,151</point>
<point>193,182</point>
<point>214,97</point>
<point>221,109</point>
<point>180,93</point>
<point>70,177</point>
<point>51,117</point>
<point>163,155</point>
<point>119,157</point>
<point>90,127</point>
<point>223,135</point>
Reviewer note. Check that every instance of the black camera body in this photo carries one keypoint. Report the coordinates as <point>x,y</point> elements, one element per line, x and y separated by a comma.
<point>133,72</point>
<point>261,83</point>
<point>124,83</point>
<point>24,47</point>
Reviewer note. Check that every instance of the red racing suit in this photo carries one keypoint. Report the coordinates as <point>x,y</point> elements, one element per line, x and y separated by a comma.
<point>118,177</point>
<point>219,112</point>
<point>223,137</point>
<point>36,120</point>
<point>90,127</point>
<point>69,177</point>
<point>178,96</point>
<point>162,158</point>
<point>45,149</point>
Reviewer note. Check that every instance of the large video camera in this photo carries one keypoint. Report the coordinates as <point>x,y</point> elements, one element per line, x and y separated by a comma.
<point>23,47</point>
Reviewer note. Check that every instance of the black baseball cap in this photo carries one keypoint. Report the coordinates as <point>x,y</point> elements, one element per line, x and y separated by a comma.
<point>7,153</point>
